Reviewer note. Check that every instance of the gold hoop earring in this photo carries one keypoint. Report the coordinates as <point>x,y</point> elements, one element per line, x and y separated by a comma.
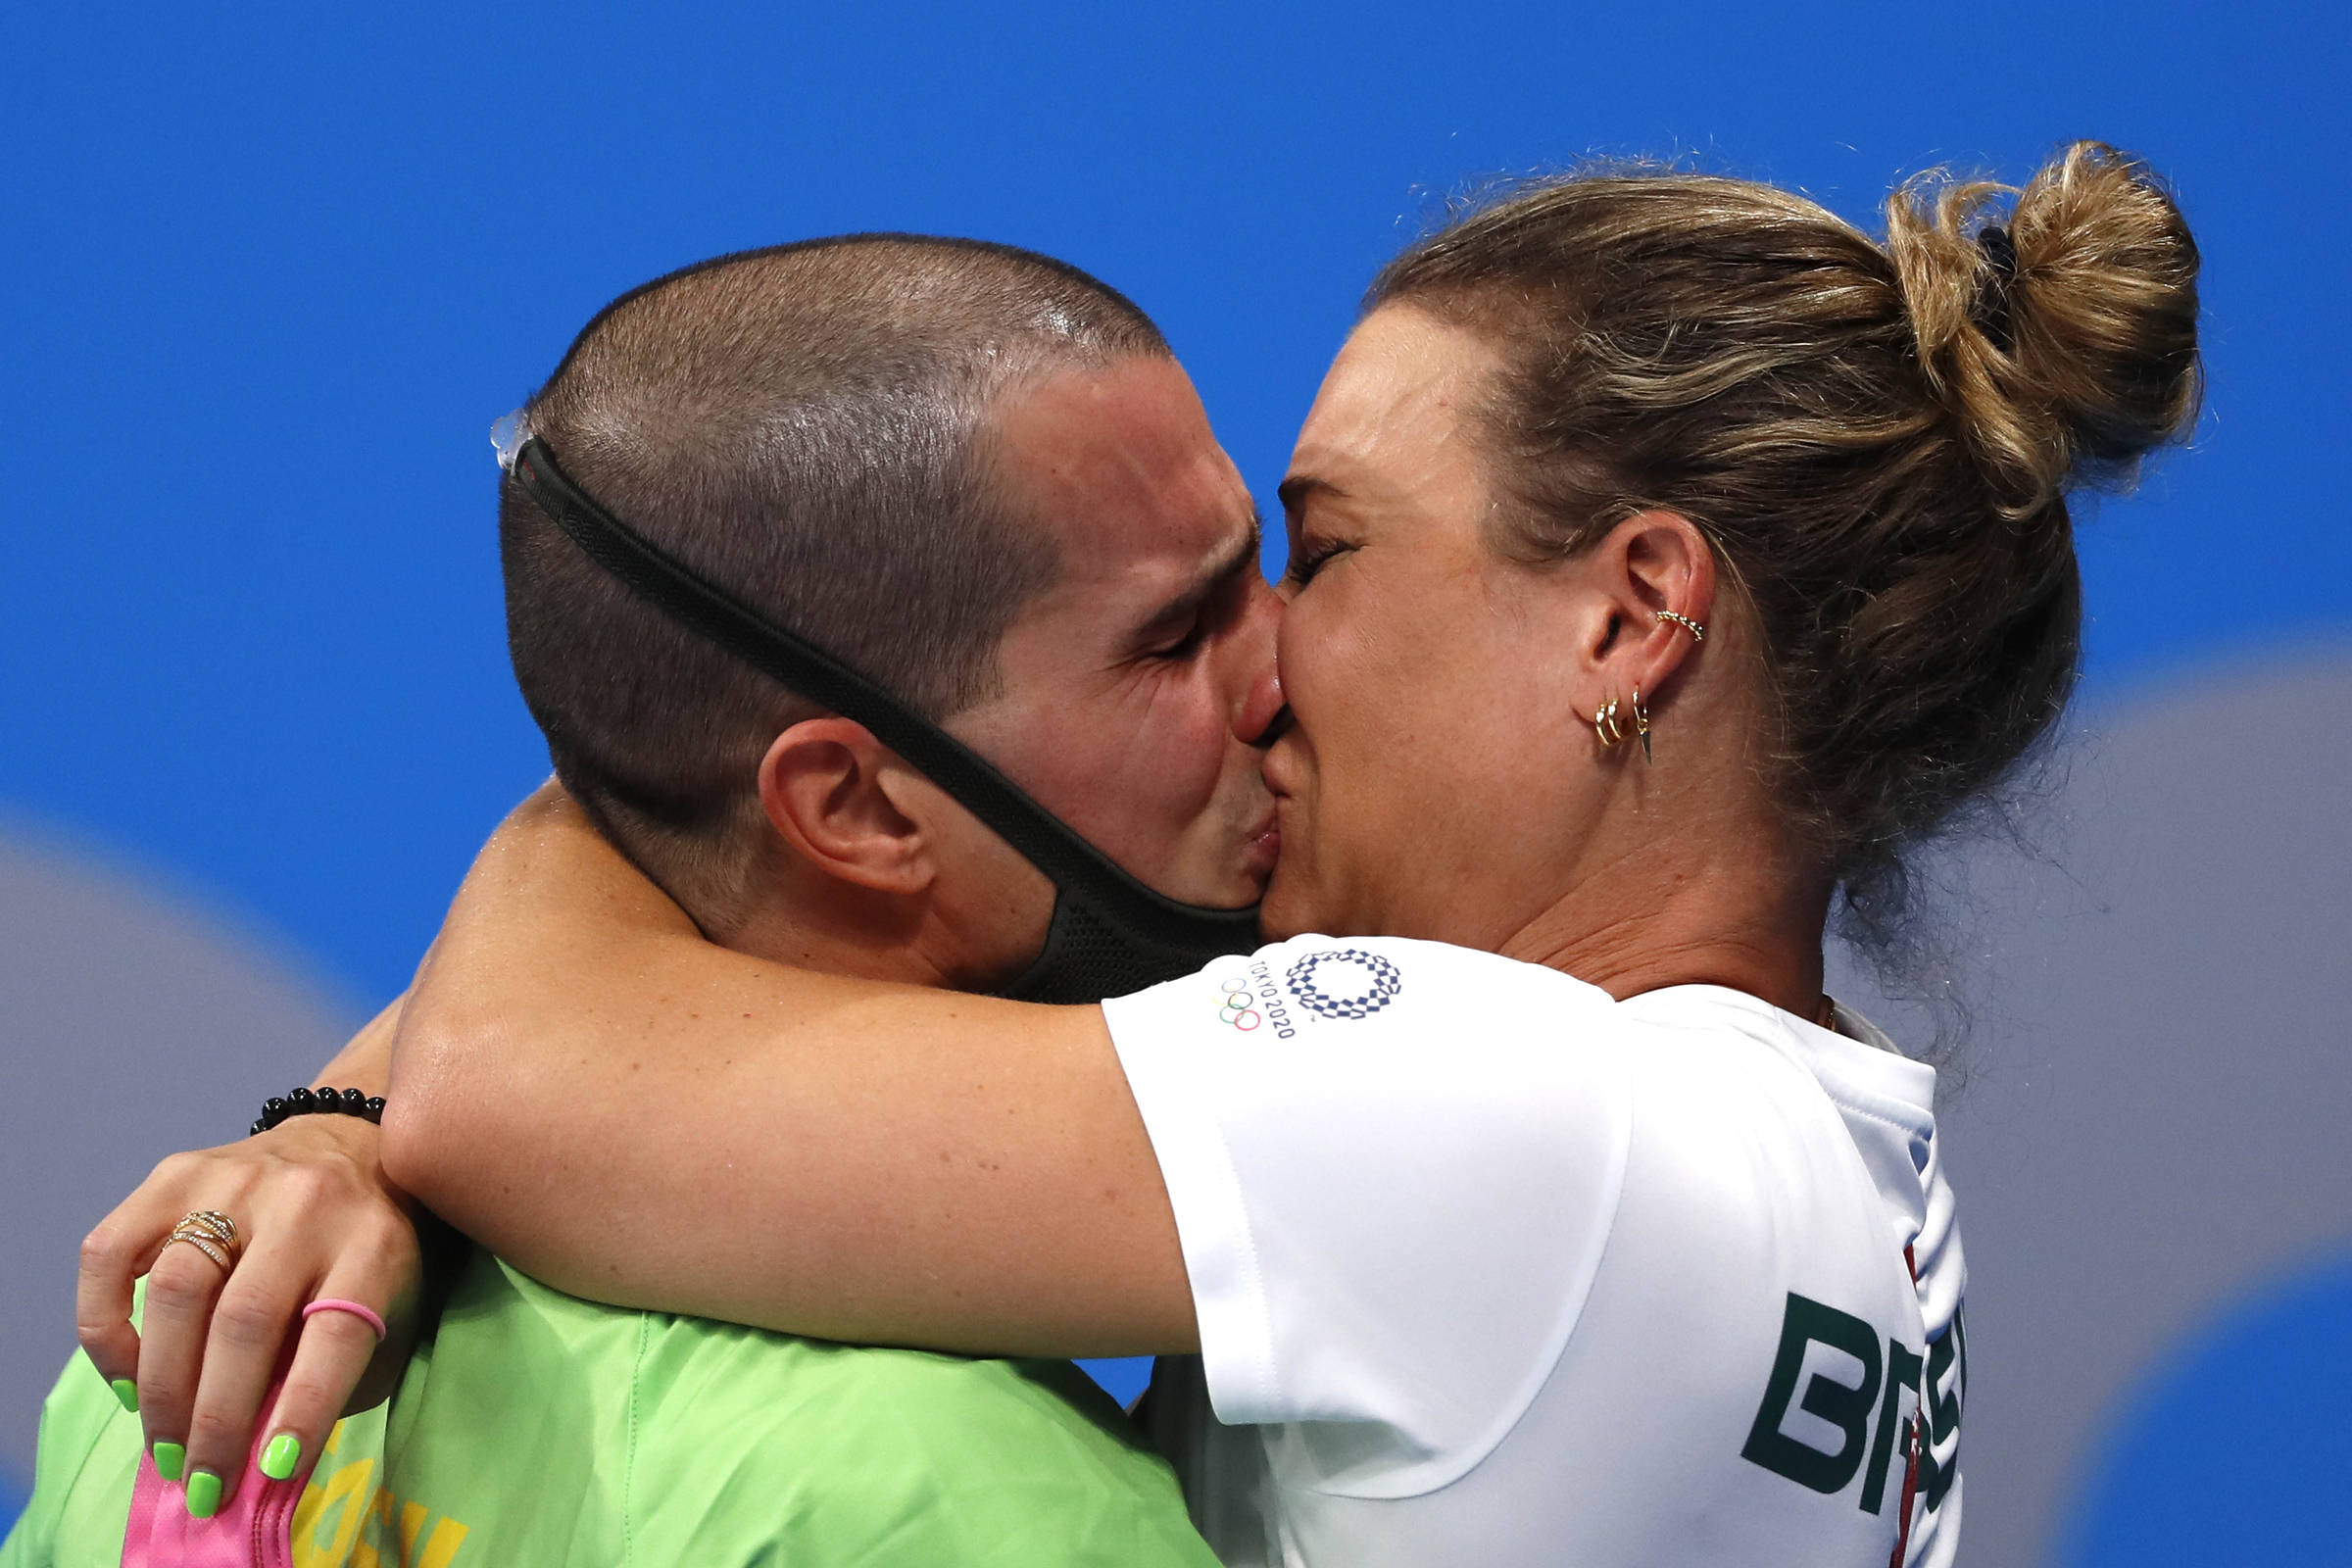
<point>1699,633</point>
<point>1617,723</point>
<point>1607,726</point>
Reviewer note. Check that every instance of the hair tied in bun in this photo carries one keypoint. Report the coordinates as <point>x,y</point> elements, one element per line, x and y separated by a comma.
<point>2000,253</point>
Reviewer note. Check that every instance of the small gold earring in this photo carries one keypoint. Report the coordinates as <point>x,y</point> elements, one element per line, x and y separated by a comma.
<point>1607,726</point>
<point>1609,723</point>
<point>1699,633</point>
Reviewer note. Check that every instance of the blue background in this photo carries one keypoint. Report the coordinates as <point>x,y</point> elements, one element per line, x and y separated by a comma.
<point>2226,1458</point>
<point>272,271</point>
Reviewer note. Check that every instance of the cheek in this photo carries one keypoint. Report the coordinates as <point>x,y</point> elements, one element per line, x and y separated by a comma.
<point>1427,729</point>
<point>1371,676</point>
<point>1175,754</point>
<point>1368,688</point>
<point>1133,777</point>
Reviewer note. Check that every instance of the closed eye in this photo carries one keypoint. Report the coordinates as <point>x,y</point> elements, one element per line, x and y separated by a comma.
<point>1186,646</point>
<point>1311,557</point>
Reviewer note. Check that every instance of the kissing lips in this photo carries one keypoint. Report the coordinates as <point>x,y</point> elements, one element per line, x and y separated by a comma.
<point>1264,848</point>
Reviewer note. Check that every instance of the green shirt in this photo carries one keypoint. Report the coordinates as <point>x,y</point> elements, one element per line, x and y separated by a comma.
<point>536,1430</point>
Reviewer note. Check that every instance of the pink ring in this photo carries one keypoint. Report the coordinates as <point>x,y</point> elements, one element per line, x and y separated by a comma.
<point>335,1304</point>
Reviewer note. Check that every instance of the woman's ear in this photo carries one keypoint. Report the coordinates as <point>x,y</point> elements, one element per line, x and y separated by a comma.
<point>1656,571</point>
<point>836,797</point>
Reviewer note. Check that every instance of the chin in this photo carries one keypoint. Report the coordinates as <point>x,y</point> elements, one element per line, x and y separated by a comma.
<point>1288,910</point>
<point>1238,890</point>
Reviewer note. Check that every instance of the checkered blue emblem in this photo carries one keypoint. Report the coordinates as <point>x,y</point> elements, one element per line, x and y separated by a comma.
<point>1344,982</point>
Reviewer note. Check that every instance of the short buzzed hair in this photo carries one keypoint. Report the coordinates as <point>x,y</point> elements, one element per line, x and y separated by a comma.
<point>807,427</point>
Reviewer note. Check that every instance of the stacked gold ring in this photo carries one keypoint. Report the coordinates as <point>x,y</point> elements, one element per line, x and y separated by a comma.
<point>210,1232</point>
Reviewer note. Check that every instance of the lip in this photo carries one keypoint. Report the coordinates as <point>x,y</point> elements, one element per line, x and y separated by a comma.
<point>1264,847</point>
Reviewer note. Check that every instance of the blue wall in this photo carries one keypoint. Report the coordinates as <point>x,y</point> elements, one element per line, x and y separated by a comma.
<point>273,273</point>
<point>2235,1453</point>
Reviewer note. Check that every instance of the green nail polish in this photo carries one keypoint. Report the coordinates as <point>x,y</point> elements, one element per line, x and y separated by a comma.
<point>169,1457</point>
<point>204,1494</point>
<point>128,1393</point>
<point>281,1456</point>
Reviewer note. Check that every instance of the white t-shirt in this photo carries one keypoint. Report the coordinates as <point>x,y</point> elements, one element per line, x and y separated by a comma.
<point>1491,1269</point>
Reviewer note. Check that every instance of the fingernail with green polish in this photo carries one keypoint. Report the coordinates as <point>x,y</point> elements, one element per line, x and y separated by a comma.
<point>281,1456</point>
<point>169,1457</point>
<point>128,1393</point>
<point>204,1494</point>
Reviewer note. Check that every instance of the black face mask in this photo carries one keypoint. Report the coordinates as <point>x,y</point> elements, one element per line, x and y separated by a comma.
<point>1109,934</point>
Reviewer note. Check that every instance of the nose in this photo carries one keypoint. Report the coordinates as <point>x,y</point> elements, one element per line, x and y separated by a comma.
<point>1258,682</point>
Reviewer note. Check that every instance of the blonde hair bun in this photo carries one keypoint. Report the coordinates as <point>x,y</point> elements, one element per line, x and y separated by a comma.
<point>2074,354</point>
<point>1876,439</point>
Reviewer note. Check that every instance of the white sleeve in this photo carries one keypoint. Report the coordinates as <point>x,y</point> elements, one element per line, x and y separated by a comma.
<point>1393,1165</point>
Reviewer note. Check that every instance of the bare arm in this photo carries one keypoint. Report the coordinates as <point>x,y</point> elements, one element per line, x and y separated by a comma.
<point>587,1087</point>
<point>366,1060</point>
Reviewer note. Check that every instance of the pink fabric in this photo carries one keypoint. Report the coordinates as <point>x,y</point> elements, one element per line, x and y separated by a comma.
<point>336,1303</point>
<point>255,1529</point>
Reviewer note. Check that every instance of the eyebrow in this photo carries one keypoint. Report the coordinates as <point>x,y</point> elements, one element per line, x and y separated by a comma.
<point>1236,556</point>
<point>1295,490</point>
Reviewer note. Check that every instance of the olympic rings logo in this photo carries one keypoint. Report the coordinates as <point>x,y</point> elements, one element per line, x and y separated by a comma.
<point>1235,1008</point>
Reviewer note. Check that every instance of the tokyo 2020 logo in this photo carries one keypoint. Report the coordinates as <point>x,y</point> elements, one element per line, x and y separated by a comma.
<point>1234,1005</point>
<point>1344,982</point>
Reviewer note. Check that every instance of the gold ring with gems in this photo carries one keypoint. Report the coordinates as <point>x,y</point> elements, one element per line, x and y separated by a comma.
<point>210,1232</point>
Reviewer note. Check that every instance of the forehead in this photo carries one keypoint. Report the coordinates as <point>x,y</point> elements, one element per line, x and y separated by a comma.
<point>1390,411</point>
<point>1120,466</point>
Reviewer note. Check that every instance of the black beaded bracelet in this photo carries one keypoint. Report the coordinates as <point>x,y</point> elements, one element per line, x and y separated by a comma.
<point>317,1102</point>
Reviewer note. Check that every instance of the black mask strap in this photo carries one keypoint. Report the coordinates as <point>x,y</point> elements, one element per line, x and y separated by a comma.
<point>1109,934</point>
